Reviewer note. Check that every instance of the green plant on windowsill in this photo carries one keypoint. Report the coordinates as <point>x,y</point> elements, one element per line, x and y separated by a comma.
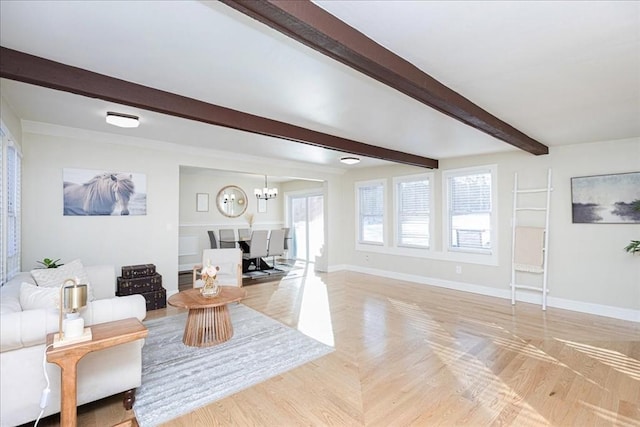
<point>49,263</point>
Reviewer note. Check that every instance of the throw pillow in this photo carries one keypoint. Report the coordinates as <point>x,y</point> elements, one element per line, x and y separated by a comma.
<point>54,277</point>
<point>34,297</point>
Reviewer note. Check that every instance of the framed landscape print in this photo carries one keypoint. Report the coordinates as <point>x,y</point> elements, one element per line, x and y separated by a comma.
<point>606,199</point>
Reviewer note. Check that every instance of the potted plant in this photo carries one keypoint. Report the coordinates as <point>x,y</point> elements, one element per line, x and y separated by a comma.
<point>633,247</point>
<point>50,263</point>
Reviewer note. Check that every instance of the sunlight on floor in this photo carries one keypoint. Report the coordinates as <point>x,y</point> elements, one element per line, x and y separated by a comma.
<point>479,384</point>
<point>315,317</point>
<point>614,418</point>
<point>618,361</point>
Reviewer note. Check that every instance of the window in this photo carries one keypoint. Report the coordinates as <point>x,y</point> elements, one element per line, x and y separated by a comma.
<point>469,219</point>
<point>9,209</point>
<point>370,212</point>
<point>413,210</point>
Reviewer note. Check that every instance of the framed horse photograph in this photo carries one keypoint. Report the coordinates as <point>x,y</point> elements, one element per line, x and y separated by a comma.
<point>95,192</point>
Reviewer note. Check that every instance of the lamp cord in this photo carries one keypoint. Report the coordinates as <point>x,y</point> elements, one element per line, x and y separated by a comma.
<point>44,398</point>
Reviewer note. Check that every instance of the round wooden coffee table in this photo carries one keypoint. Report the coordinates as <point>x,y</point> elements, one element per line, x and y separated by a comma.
<point>208,322</point>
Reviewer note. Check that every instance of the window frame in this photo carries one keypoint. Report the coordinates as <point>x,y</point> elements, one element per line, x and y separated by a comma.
<point>447,231</point>
<point>10,264</point>
<point>397,224</point>
<point>360,242</point>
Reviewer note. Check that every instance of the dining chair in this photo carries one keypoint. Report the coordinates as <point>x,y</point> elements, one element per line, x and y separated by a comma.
<point>244,233</point>
<point>287,231</point>
<point>227,238</point>
<point>258,248</point>
<point>230,263</point>
<point>276,245</point>
<point>212,239</point>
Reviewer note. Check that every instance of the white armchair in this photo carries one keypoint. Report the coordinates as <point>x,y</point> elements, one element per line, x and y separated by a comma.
<point>230,263</point>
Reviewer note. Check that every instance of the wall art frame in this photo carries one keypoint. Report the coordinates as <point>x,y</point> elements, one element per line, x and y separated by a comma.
<point>262,206</point>
<point>606,199</point>
<point>90,192</point>
<point>202,202</point>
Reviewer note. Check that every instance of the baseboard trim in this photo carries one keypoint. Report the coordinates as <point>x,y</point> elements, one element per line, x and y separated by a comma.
<point>522,295</point>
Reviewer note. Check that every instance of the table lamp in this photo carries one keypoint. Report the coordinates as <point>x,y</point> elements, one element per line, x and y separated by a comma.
<point>73,297</point>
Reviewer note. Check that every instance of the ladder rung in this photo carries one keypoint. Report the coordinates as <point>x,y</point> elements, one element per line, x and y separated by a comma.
<point>531,209</point>
<point>531,288</point>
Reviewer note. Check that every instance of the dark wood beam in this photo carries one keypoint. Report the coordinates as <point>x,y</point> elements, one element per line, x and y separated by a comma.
<point>318,29</point>
<point>15,65</point>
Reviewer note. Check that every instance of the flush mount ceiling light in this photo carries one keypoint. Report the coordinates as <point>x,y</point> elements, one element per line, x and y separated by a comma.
<point>122,120</point>
<point>350,160</point>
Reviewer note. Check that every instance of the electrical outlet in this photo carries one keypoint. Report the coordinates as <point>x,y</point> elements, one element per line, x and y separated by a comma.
<point>366,258</point>
<point>458,269</point>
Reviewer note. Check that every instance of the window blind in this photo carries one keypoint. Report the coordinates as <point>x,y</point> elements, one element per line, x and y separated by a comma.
<point>413,213</point>
<point>371,213</point>
<point>10,210</point>
<point>470,211</point>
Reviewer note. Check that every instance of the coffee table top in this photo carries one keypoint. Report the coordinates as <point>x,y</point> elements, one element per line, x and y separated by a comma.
<point>191,298</point>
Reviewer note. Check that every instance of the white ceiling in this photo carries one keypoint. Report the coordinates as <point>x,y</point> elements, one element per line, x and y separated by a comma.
<point>561,72</point>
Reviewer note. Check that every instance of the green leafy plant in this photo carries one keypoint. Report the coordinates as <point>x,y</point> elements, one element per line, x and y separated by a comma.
<point>634,246</point>
<point>50,263</point>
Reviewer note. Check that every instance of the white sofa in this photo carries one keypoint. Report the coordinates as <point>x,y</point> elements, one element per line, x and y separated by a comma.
<point>22,344</point>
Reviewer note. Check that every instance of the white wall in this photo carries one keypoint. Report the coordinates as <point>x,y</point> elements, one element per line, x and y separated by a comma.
<point>117,240</point>
<point>588,268</point>
<point>152,238</point>
<point>11,122</point>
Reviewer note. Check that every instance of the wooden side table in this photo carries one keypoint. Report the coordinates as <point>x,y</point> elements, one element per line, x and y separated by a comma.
<point>105,335</point>
<point>208,321</point>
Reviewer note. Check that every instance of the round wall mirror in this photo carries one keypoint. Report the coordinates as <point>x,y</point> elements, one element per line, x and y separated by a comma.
<point>231,201</point>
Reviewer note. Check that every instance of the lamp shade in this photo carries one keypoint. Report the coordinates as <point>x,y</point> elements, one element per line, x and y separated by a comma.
<point>74,297</point>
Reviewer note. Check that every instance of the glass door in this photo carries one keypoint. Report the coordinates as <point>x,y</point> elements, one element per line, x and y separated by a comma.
<point>306,217</point>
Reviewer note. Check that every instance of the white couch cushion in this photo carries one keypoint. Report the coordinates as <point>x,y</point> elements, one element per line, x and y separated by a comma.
<point>33,297</point>
<point>10,293</point>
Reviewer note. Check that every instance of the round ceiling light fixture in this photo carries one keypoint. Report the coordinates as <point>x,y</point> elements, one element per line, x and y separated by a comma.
<point>123,120</point>
<point>349,160</point>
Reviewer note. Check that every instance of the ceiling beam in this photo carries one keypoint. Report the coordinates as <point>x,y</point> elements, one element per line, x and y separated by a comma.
<point>318,29</point>
<point>20,66</point>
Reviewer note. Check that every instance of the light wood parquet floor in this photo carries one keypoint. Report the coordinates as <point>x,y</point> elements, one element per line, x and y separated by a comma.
<point>414,355</point>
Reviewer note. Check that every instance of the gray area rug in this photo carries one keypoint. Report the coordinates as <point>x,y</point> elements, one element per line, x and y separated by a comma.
<point>176,379</point>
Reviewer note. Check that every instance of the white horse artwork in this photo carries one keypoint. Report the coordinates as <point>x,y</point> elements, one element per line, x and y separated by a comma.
<point>101,195</point>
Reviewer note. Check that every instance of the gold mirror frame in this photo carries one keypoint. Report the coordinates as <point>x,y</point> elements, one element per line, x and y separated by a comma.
<point>235,202</point>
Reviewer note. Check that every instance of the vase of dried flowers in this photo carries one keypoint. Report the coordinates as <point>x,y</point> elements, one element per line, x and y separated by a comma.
<point>249,217</point>
<point>209,276</point>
